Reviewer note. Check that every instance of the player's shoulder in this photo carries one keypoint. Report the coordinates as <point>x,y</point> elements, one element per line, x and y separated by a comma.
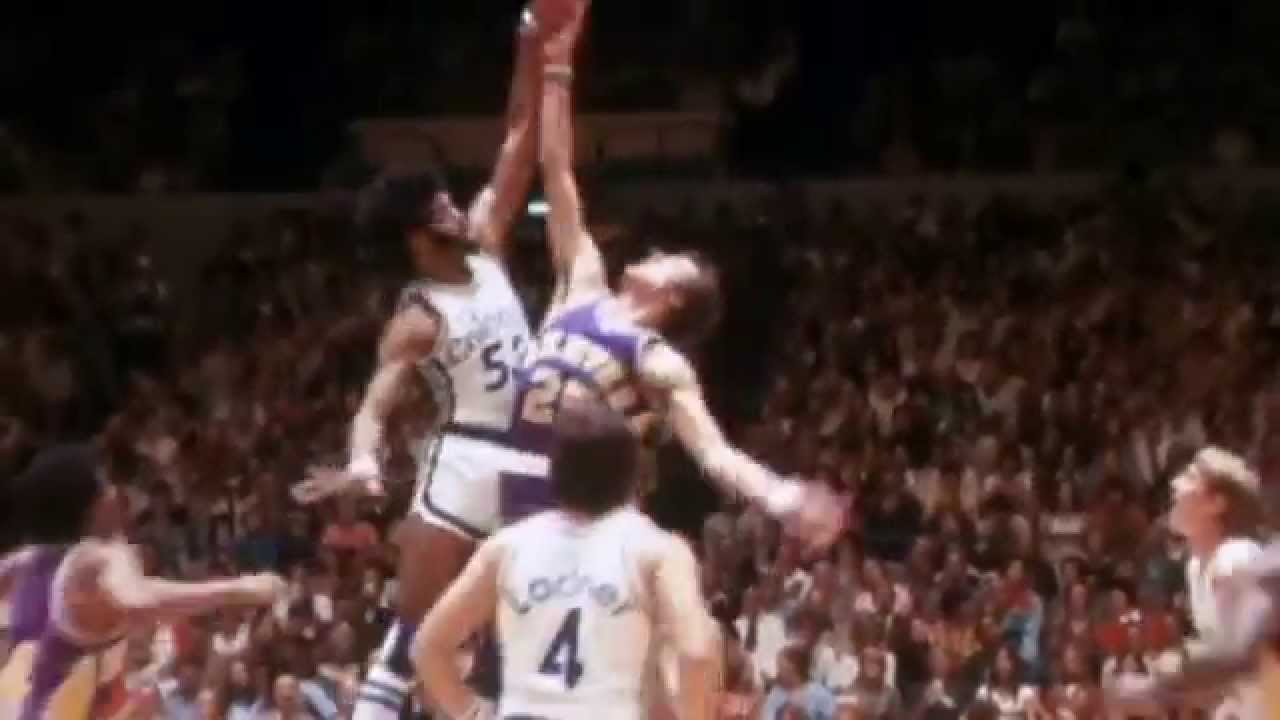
<point>661,364</point>
<point>538,524</point>
<point>648,538</point>
<point>1235,553</point>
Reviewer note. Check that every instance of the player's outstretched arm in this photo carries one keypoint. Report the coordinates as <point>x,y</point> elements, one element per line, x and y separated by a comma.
<point>126,588</point>
<point>577,261</point>
<point>468,604</point>
<point>689,629</point>
<point>495,208</point>
<point>408,339</point>
<point>806,509</point>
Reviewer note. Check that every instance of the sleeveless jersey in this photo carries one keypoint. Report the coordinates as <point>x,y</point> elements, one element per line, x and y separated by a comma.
<point>1215,623</point>
<point>483,338</point>
<point>575,616</point>
<point>52,674</point>
<point>584,350</point>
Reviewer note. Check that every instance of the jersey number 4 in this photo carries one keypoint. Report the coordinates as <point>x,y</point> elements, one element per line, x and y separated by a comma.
<point>562,657</point>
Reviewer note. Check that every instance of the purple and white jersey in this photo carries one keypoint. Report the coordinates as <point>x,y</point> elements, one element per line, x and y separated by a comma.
<point>50,674</point>
<point>587,349</point>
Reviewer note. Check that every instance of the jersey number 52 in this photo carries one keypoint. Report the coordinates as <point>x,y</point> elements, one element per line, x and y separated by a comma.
<point>562,656</point>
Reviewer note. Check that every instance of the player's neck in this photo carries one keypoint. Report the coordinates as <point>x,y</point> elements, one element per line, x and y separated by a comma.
<point>450,273</point>
<point>632,310</point>
<point>1203,545</point>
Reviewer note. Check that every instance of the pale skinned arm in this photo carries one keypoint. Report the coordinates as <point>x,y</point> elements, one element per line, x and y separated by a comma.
<point>468,604</point>
<point>122,584</point>
<point>578,264</point>
<point>809,509</point>
<point>495,208</point>
<point>688,629</point>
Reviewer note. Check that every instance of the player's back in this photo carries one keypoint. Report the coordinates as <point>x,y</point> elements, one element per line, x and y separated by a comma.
<point>575,615</point>
<point>583,350</point>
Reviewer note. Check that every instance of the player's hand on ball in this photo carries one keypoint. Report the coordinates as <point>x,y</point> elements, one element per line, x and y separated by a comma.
<point>813,513</point>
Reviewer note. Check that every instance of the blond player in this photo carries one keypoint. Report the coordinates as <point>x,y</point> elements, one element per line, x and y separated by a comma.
<point>1216,507</point>
<point>584,596</point>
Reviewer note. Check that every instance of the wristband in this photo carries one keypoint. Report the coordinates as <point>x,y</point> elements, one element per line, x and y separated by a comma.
<point>364,467</point>
<point>784,497</point>
<point>558,72</point>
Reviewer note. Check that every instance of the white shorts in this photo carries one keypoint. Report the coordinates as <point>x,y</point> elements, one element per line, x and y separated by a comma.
<point>465,484</point>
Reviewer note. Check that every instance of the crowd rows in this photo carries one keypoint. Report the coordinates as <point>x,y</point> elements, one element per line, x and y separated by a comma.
<point>1004,391</point>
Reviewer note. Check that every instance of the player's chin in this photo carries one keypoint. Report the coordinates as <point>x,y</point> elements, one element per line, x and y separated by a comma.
<point>459,242</point>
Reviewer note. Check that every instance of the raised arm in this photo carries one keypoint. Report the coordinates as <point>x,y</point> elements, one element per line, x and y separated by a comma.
<point>577,261</point>
<point>408,339</point>
<point>467,605</point>
<point>123,585</point>
<point>806,509</point>
<point>495,208</point>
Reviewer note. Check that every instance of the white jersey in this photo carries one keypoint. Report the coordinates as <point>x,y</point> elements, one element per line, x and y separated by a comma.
<point>576,616</point>
<point>1212,613</point>
<point>483,337</point>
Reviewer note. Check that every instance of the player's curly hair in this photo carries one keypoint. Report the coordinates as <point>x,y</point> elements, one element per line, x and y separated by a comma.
<point>51,501</point>
<point>391,206</point>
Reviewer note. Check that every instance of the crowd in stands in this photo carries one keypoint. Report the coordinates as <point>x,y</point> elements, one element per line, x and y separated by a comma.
<point>230,99</point>
<point>1004,390</point>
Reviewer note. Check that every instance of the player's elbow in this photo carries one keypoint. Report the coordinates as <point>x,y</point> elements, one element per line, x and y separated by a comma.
<point>133,598</point>
<point>700,641</point>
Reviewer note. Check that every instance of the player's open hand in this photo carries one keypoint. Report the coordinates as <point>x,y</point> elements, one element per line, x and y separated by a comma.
<point>324,481</point>
<point>263,589</point>
<point>814,514</point>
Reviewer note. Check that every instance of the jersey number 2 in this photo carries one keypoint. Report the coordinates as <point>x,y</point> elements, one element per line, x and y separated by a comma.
<point>562,656</point>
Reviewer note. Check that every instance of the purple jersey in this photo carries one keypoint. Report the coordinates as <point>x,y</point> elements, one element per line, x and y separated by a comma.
<point>29,614</point>
<point>49,675</point>
<point>586,348</point>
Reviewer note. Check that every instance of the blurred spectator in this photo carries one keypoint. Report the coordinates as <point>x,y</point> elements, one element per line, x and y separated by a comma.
<point>795,690</point>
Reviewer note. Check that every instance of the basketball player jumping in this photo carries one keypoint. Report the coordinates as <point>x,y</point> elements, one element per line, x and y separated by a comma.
<point>1216,507</point>
<point>77,591</point>
<point>583,595</point>
<point>463,327</point>
<point>623,345</point>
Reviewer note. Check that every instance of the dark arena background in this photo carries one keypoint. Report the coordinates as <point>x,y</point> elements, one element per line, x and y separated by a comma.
<point>994,269</point>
